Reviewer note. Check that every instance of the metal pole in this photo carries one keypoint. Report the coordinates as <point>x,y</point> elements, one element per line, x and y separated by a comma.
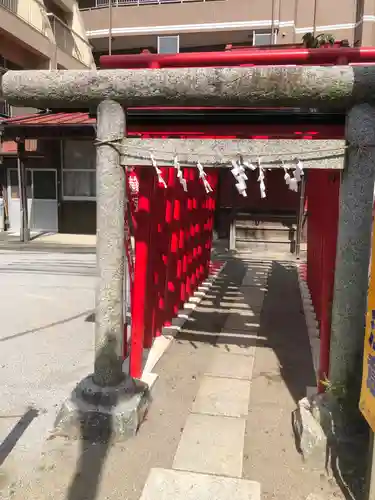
<point>273,22</point>
<point>232,230</point>
<point>110,28</point>
<point>22,186</point>
<point>314,19</point>
<point>301,211</point>
<point>110,249</point>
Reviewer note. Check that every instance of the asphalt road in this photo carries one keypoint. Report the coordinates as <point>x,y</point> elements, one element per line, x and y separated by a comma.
<point>46,346</point>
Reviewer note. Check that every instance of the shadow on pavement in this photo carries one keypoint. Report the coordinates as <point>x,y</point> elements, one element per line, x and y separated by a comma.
<point>283,324</point>
<point>44,327</point>
<point>277,322</point>
<point>86,480</point>
<point>9,443</point>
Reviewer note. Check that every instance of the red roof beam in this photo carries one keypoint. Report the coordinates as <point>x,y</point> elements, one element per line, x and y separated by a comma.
<point>258,57</point>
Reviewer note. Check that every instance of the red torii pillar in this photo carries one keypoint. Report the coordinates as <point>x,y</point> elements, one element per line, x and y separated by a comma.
<point>323,210</point>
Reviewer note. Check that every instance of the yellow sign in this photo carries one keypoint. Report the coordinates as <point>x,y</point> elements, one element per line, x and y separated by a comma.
<point>367,401</point>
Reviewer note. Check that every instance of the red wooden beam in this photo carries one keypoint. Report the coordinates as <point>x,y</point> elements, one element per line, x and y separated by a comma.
<point>249,57</point>
<point>253,131</point>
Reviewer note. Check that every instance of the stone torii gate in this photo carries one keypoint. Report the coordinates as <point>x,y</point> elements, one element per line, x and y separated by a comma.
<point>108,395</point>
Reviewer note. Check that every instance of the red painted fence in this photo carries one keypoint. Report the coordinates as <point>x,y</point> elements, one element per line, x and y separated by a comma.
<point>173,239</point>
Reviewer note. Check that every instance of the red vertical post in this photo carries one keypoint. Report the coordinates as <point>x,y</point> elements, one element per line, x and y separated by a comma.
<point>130,211</point>
<point>190,232</point>
<point>203,198</point>
<point>181,247</point>
<point>329,229</point>
<point>185,238</point>
<point>323,193</point>
<point>142,243</point>
<point>162,250</point>
<point>195,184</point>
<point>172,218</point>
<point>151,302</point>
<point>314,247</point>
<point>212,177</point>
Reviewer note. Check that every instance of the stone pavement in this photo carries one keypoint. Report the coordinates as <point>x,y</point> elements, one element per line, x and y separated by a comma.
<point>238,441</point>
<point>220,423</point>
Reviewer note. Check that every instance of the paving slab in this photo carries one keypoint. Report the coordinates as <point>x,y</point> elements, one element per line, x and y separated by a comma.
<point>282,372</point>
<point>243,344</point>
<point>231,366</point>
<point>253,295</point>
<point>257,276</point>
<point>165,484</point>
<point>211,445</point>
<point>242,320</point>
<point>223,396</point>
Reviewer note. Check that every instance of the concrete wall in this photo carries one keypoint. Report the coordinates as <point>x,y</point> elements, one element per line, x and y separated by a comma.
<point>293,18</point>
<point>32,39</point>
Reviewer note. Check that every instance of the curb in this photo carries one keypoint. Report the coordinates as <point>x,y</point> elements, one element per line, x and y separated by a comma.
<point>310,318</point>
<point>47,247</point>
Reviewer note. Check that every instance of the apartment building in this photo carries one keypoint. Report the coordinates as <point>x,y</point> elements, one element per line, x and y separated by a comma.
<point>195,25</point>
<point>42,34</point>
<point>36,34</point>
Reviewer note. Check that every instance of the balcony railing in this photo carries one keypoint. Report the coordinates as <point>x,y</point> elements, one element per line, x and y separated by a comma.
<point>5,109</point>
<point>98,4</point>
<point>33,12</point>
<point>68,40</point>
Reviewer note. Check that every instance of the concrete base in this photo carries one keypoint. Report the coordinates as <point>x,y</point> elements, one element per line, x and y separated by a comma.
<point>103,413</point>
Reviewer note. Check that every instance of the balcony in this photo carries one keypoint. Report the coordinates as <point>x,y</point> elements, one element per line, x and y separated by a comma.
<point>65,5</point>
<point>69,44</point>
<point>43,34</point>
<point>137,23</point>
<point>15,14</point>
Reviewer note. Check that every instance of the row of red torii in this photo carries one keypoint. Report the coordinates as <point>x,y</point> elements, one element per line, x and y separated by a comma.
<point>188,215</point>
<point>172,213</point>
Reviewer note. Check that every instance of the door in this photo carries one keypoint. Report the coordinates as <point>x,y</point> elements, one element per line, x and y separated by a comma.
<point>43,210</point>
<point>41,200</point>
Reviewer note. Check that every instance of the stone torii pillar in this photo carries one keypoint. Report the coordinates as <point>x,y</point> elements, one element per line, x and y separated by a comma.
<point>107,404</point>
<point>353,249</point>
<point>107,398</point>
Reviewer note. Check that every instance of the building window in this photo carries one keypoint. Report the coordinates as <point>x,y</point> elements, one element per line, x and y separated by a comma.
<point>168,44</point>
<point>44,184</point>
<point>264,38</point>
<point>79,172</point>
<point>14,187</point>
